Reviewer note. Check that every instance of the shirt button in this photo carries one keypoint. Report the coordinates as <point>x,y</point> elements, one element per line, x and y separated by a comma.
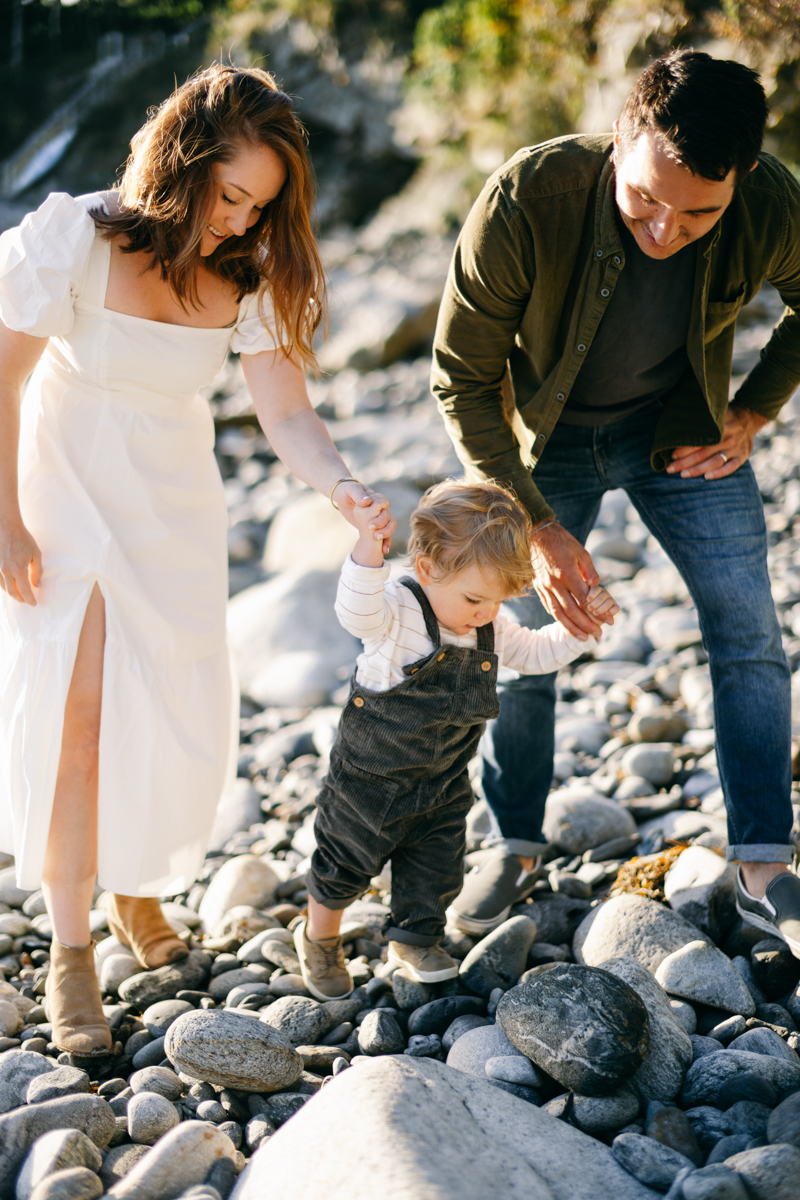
<point>581,347</point>
<point>487,666</point>
<point>441,656</point>
<point>599,253</point>
<point>617,259</point>
<point>559,395</point>
<point>605,292</point>
<point>542,437</point>
<point>359,703</point>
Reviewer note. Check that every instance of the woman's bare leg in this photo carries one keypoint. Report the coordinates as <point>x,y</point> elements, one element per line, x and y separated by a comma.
<point>70,865</point>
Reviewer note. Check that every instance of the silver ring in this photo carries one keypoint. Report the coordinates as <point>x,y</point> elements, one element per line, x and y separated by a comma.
<point>724,457</point>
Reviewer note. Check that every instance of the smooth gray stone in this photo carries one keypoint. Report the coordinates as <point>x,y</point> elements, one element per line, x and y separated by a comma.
<point>119,1161</point>
<point>776,1014</point>
<point>302,1020</point>
<point>73,1183</point>
<point>20,1129</point>
<point>181,1159</point>
<point>686,1015</point>
<point>597,1114</point>
<point>54,1151</point>
<point>459,1027</point>
<point>151,1055</point>
<point>471,1052</point>
<point>426,1045</point>
<point>769,1172</point>
<point>221,985</point>
<point>731,1144</point>
<point>379,1033</point>
<point>158,1017</point>
<point>499,959</point>
<point>710,1125</point>
<point>669,1053</point>
<point>149,987</point>
<point>584,1027</point>
<point>707,1076</point>
<point>784,1122</point>
<point>64,1081</point>
<point>647,1160</point>
<point>747,1116</point>
<point>727,1030</point>
<point>631,926</point>
<point>514,1068</point>
<point>556,918</point>
<point>576,820</point>
<point>452,1136</point>
<point>236,995</point>
<point>702,974</point>
<point>765,1041</point>
<point>17,1069</point>
<point>250,952</point>
<point>744,968</point>
<point>150,1116</point>
<point>716,1182</point>
<point>409,993</point>
<point>437,1015</point>
<point>257,1131</point>
<point>701,1046</point>
<point>160,1080</point>
<point>211,1110</point>
<point>233,1050</point>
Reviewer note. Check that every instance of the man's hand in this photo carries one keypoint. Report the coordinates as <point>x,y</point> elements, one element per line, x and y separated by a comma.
<point>715,462</point>
<point>563,576</point>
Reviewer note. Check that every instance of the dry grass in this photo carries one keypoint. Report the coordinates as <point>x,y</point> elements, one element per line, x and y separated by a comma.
<point>645,876</point>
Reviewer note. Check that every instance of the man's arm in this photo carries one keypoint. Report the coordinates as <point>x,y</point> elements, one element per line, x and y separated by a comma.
<point>488,287</point>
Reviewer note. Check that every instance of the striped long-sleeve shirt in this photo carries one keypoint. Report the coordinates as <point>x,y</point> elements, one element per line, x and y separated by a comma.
<point>388,619</point>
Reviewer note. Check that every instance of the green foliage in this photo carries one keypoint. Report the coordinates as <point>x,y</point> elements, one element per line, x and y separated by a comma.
<point>504,72</point>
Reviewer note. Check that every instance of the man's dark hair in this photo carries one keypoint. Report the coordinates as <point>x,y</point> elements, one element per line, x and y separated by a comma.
<point>711,112</point>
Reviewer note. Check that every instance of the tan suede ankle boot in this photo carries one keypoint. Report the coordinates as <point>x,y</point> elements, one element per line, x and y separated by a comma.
<point>73,1002</point>
<point>138,922</point>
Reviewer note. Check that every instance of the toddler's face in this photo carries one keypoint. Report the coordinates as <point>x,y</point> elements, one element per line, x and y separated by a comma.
<point>464,600</point>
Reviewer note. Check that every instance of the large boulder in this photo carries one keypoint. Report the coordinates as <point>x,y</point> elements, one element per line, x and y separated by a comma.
<point>286,641</point>
<point>232,1050</point>
<point>586,1028</point>
<point>631,926</point>
<point>451,1136</point>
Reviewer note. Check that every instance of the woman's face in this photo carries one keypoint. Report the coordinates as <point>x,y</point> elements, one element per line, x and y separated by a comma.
<point>242,188</point>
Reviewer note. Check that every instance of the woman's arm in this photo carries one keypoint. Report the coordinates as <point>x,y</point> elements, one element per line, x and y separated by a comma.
<point>20,558</point>
<point>300,439</point>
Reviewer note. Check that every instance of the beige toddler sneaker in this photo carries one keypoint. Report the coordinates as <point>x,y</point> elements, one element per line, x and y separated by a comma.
<point>426,964</point>
<point>322,965</point>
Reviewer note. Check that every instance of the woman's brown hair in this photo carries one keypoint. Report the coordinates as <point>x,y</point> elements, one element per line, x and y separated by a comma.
<point>167,189</point>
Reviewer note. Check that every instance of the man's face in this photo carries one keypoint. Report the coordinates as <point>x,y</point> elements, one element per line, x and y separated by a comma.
<point>662,203</point>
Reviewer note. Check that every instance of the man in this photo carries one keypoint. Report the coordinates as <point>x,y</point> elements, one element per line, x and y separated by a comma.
<point>587,331</point>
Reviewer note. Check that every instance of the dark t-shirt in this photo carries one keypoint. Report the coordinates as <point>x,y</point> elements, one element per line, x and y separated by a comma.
<point>639,350</point>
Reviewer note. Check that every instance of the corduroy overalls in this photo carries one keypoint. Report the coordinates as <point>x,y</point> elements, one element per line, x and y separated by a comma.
<point>398,787</point>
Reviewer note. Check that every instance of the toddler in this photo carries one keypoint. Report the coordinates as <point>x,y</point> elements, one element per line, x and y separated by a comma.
<point>398,786</point>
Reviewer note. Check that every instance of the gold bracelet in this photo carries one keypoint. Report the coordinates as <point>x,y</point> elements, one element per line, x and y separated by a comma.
<point>347,479</point>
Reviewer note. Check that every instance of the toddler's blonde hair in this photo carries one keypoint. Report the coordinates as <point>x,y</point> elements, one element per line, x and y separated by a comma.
<point>458,524</point>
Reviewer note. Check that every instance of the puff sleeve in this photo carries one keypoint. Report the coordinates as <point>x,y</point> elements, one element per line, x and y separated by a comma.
<point>251,335</point>
<point>42,266</point>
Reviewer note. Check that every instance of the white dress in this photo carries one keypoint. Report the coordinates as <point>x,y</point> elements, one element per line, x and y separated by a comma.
<point>119,487</point>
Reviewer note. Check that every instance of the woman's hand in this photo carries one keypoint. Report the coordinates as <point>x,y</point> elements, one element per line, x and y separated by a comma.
<point>351,496</point>
<point>20,563</point>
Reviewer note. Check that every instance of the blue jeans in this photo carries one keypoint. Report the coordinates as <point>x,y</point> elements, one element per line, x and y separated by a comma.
<point>714,532</point>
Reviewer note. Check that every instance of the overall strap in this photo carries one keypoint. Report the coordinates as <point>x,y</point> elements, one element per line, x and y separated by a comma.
<point>431,624</point>
<point>486,637</point>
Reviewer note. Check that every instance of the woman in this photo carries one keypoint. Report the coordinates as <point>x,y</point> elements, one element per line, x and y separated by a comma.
<point>116,725</point>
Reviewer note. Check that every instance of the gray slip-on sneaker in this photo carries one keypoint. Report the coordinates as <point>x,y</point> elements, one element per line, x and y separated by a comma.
<point>778,913</point>
<point>426,964</point>
<point>489,891</point>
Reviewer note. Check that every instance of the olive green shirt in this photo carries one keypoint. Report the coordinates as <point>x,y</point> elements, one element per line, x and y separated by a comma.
<point>533,271</point>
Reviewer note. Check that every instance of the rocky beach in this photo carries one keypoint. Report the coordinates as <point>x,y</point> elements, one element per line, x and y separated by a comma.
<point>622,1034</point>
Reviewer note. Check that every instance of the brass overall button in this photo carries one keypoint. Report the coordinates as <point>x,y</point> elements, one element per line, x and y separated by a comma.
<point>487,666</point>
<point>359,703</point>
<point>441,656</point>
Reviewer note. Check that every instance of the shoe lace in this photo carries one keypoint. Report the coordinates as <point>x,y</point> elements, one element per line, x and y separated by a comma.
<point>332,957</point>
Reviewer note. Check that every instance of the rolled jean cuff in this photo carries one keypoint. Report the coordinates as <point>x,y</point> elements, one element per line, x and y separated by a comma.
<point>393,934</point>
<point>517,846</point>
<point>760,853</point>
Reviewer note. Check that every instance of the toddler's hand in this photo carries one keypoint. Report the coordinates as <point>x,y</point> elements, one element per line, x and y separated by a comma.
<point>370,522</point>
<point>601,605</point>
